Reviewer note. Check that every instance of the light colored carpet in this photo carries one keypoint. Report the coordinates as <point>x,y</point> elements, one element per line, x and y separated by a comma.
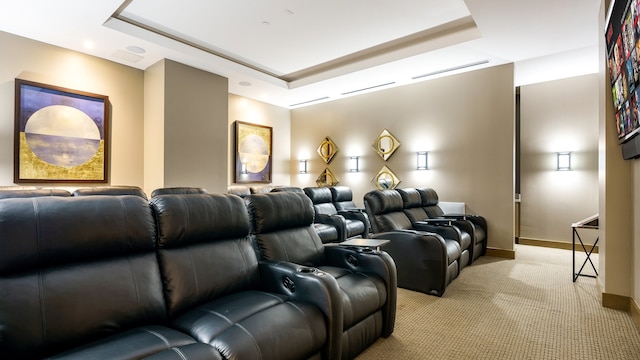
<point>527,308</point>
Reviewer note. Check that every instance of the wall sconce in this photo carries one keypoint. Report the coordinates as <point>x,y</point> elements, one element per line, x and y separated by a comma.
<point>564,161</point>
<point>422,161</point>
<point>354,165</point>
<point>302,166</point>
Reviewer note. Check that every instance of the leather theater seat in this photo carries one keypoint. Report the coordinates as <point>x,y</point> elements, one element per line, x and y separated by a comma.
<point>426,261</point>
<point>412,207</point>
<point>282,227</point>
<point>79,277</point>
<point>348,223</point>
<point>474,225</point>
<point>218,293</point>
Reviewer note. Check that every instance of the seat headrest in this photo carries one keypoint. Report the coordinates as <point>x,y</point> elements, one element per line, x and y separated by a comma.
<point>318,195</point>
<point>111,190</point>
<point>178,190</point>
<point>28,193</point>
<point>341,193</point>
<point>279,211</point>
<point>383,201</point>
<point>429,196</point>
<point>43,232</point>
<point>287,188</point>
<point>185,219</point>
<point>410,198</point>
<point>239,190</point>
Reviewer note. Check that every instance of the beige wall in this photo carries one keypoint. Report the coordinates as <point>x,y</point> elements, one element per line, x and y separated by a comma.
<point>466,125</point>
<point>35,61</point>
<point>256,112</point>
<point>560,115</point>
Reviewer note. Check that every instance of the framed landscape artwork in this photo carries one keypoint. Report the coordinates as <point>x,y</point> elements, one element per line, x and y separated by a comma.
<point>253,153</point>
<point>61,135</point>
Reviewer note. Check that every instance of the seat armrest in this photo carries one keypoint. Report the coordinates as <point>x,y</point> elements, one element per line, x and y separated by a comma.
<point>308,284</point>
<point>442,228</point>
<point>334,220</point>
<point>366,260</point>
<point>435,221</point>
<point>455,216</point>
<point>421,259</point>
<point>357,214</point>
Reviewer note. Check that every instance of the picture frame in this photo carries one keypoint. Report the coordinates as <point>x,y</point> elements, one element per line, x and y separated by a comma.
<point>254,150</point>
<point>61,135</point>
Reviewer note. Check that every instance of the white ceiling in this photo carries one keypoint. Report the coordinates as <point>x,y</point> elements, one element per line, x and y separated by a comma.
<point>291,52</point>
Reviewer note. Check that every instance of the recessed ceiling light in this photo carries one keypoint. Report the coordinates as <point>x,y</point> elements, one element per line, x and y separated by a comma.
<point>244,83</point>
<point>136,49</point>
<point>266,23</point>
<point>89,44</point>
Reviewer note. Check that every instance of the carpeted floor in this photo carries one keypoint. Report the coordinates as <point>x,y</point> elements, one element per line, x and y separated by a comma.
<point>527,308</point>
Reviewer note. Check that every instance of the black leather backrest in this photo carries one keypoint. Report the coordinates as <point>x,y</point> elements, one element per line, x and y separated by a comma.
<point>73,269</point>
<point>410,198</point>
<point>111,190</point>
<point>322,200</point>
<point>384,208</point>
<point>341,193</point>
<point>430,202</point>
<point>412,203</point>
<point>28,193</point>
<point>282,227</point>
<point>203,248</point>
<point>342,197</point>
<point>178,190</point>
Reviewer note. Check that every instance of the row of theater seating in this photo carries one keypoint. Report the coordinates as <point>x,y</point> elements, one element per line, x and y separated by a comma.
<point>430,247</point>
<point>107,273</point>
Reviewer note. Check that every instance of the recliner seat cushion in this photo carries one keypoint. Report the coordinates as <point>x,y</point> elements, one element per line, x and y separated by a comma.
<point>131,344</point>
<point>241,326</point>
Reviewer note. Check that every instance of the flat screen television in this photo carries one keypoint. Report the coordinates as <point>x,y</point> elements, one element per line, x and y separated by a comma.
<point>622,35</point>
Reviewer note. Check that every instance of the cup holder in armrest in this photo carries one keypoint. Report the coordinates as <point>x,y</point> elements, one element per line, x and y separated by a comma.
<point>307,270</point>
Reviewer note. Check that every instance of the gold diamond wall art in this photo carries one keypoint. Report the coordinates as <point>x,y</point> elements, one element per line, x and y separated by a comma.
<point>385,179</point>
<point>327,178</point>
<point>327,149</point>
<point>386,144</point>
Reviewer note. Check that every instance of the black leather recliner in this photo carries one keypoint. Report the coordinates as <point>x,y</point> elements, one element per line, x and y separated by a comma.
<point>282,230</point>
<point>426,262</point>
<point>220,294</point>
<point>342,198</point>
<point>79,277</point>
<point>420,220</point>
<point>475,225</point>
<point>349,224</point>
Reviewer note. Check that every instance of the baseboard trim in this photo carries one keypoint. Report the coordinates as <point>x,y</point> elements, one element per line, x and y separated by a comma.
<point>555,244</point>
<point>618,302</point>
<point>501,253</point>
<point>635,312</point>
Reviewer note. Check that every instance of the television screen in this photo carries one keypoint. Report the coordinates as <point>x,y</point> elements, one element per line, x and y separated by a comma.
<point>623,55</point>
